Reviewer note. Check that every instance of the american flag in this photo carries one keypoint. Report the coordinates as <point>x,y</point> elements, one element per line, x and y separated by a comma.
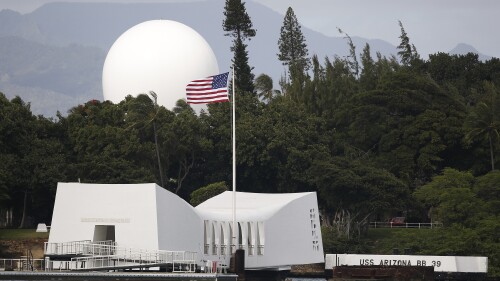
<point>208,90</point>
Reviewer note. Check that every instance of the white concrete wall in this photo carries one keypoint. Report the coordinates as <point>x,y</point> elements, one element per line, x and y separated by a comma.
<point>289,238</point>
<point>130,208</point>
<point>180,228</point>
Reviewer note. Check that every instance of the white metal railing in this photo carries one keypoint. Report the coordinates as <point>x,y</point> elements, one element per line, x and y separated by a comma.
<point>405,225</point>
<point>57,265</point>
<point>22,264</point>
<point>181,261</point>
<point>106,254</point>
<point>84,247</point>
<point>215,266</point>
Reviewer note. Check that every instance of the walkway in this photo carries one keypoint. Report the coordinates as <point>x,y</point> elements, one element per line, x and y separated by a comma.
<point>106,255</point>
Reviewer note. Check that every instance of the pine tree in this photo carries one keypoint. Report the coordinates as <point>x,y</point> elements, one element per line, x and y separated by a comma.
<point>368,77</point>
<point>244,76</point>
<point>292,44</point>
<point>238,25</point>
<point>351,60</point>
<point>237,22</point>
<point>408,52</point>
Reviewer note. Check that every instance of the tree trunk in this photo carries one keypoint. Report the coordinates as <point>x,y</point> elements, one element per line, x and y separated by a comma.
<point>162,183</point>
<point>25,202</point>
<point>491,153</point>
<point>184,165</point>
<point>326,219</point>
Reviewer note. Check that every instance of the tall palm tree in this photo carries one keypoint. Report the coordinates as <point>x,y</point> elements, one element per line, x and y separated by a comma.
<point>483,120</point>
<point>155,132</point>
<point>144,110</point>
<point>264,86</point>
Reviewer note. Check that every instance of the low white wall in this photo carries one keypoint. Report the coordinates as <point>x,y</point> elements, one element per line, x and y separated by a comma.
<point>440,263</point>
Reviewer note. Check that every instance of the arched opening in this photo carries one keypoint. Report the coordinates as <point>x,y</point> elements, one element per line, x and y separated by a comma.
<point>260,238</point>
<point>206,236</point>
<point>222,239</point>
<point>214,246</point>
<point>250,239</point>
<point>232,238</point>
<point>240,236</point>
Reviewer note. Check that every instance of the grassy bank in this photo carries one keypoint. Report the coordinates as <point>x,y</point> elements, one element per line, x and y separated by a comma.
<point>380,241</point>
<point>22,234</point>
<point>383,241</point>
<point>15,243</point>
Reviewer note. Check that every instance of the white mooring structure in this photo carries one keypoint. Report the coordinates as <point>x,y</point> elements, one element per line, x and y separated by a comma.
<point>451,264</point>
<point>105,226</point>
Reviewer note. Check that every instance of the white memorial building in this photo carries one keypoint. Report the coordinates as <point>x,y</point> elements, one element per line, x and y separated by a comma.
<point>275,230</point>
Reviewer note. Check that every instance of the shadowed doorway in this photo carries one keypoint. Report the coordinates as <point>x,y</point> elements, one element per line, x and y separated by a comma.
<point>104,233</point>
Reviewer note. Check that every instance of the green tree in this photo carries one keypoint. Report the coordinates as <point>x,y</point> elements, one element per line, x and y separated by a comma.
<point>407,52</point>
<point>368,77</point>
<point>483,121</point>
<point>106,147</point>
<point>341,83</point>
<point>6,128</point>
<point>274,147</point>
<point>316,88</point>
<point>204,193</point>
<point>352,191</point>
<point>185,141</point>
<point>352,59</point>
<point>487,188</point>
<point>237,23</point>
<point>18,138</point>
<point>33,160</point>
<point>468,207</point>
<point>243,72</point>
<point>397,123</point>
<point>461,73</point>
<point>217,127</point>
<point>47,161</point>
<point>449,197</point>
<point>335,242</point>
<point>292,45</point>
<point>155,132</point>
<point>264,86</point>
<point>145,115</point>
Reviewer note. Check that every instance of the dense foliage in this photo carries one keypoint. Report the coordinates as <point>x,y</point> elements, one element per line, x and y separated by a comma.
<point>387,137</point>
<point>204,193</point>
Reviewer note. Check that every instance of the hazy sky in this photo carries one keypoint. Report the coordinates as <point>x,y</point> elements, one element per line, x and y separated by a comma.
<point>432,25</point>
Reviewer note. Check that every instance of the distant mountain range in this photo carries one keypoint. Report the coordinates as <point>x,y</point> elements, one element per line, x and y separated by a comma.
<point>463,48</point>
<point>53,57</point>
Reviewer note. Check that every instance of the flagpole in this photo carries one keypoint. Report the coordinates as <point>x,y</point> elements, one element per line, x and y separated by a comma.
<point>235,228</point>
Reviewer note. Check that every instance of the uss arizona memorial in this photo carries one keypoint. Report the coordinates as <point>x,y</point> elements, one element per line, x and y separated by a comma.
<point>275,230</point>
<point>112,226</point>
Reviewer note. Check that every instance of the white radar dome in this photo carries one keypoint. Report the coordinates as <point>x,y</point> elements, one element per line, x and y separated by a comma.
<point>162,56</point>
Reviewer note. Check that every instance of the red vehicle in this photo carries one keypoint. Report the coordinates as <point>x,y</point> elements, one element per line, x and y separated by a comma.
<point>397,221</point>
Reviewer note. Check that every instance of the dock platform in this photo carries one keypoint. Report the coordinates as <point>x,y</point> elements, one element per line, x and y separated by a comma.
<point>139,276</point>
